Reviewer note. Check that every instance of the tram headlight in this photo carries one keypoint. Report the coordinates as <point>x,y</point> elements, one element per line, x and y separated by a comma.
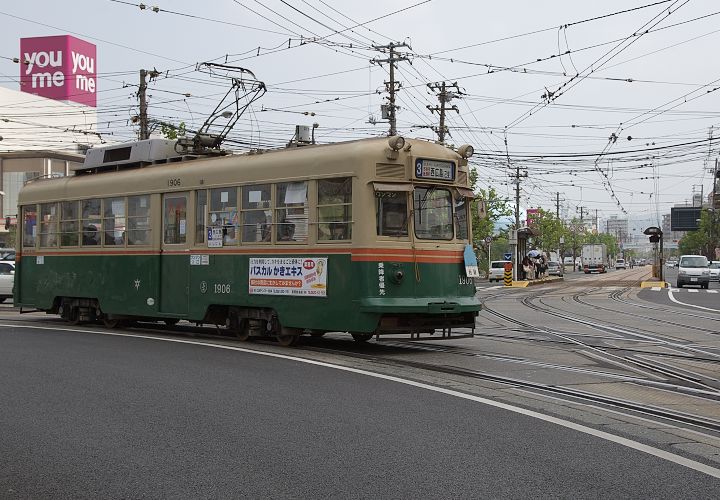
<point>466,151</point>
<point>396,142</point>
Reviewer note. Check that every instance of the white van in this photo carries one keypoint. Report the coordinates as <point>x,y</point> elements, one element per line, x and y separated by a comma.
<point>497,270</point>
<point>693,270</point>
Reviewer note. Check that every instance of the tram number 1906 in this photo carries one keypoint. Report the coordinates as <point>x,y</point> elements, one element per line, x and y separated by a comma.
<point>174,182</point>
<point>222,288</point>
<point>464,280</point>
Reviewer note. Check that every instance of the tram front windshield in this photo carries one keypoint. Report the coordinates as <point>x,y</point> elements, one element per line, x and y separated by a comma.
<point>433,209</point>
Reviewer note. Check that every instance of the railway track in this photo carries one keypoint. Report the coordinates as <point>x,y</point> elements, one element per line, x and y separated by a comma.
<point>385,353</point>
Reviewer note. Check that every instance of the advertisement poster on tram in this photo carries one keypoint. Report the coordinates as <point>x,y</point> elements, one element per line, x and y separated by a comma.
<point>302,276</point>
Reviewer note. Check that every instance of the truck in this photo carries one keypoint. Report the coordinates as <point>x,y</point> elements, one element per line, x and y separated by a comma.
<point>594,258</point>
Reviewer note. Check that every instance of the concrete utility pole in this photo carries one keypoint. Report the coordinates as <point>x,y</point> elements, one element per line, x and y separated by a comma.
<point>392,86</point>
<point>597,227</point>
<point>557,205</point>
<point>515,246</point>
<point>143,118</point>
<point>444,97</point>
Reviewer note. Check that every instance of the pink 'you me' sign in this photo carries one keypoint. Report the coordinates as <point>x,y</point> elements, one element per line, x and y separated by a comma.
<point>59,67</point>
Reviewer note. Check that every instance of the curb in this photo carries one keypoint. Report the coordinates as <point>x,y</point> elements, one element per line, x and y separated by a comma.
<point>652,284</point>
<point>526,283</point>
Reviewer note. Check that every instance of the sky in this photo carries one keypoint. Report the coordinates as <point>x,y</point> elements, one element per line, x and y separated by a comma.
<point>610,106</point>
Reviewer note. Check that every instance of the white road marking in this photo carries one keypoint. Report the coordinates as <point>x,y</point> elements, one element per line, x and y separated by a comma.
<point>656,289</point>
<point>711,291</point>
<point>692,290</point>
<point>650,450</point>
<point>672,297</point>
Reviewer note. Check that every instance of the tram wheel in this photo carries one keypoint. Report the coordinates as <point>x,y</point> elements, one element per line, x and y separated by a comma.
<point>111,322</point>
<point>240,328</point>
<point>361,337</point>
<point>74,316</point>
<point>287,340</point>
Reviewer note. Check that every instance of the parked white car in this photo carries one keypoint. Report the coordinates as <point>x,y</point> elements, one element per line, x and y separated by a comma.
<point>7,279</point>
<point>497,270</point>
<point>715,271</point>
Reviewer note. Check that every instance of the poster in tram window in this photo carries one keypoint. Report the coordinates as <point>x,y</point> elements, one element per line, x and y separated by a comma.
<point>300,276</point>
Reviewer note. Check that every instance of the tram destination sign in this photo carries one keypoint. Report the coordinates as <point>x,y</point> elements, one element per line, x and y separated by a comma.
<point>434,169</point>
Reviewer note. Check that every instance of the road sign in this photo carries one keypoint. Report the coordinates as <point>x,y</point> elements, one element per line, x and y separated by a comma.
<point>507,256</point>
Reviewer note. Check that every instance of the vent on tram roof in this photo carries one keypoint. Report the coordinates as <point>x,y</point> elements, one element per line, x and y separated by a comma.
<point>390,171</point>
<point>462,178</point>
<point>117,154</point>
<point>132,155</point>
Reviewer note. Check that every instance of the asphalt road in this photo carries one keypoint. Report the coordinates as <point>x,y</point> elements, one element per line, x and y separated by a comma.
<point>689,297</point>
<point>85,415</point>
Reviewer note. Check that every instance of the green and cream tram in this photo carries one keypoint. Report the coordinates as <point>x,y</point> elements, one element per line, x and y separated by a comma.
<point>365,237</point>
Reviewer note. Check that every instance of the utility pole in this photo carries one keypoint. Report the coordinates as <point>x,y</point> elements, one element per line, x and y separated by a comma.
<point>517,176</point>
<point>142,91</point>
<point>597,227</point>
<point>582,225</point>
<point>392,86</point>
<point>561,257</point>
<point>444,97</point>
<point>557,205</point>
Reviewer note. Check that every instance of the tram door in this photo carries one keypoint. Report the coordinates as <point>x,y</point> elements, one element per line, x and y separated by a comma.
<point>174,255</point>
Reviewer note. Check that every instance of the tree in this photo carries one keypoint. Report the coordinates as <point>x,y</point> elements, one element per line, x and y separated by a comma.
<point>495,207</point>
<point>484,228</point>
<point>548,230</point>
<point>172,132</point>
<point>704,240</point>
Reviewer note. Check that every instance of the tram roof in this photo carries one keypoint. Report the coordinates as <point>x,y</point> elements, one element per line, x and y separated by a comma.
<point>286,164</point>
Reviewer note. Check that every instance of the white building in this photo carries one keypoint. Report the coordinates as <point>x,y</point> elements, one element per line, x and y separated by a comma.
<point>618,228</point>
<point>38,137</point>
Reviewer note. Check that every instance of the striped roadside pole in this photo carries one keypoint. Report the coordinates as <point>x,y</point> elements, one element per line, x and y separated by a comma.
<point>507,275</point>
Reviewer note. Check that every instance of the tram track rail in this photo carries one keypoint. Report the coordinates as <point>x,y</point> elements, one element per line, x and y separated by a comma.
<point>696,421</point>
<point>644,367</point>
<point>577,298</point>
<point>682,376</point>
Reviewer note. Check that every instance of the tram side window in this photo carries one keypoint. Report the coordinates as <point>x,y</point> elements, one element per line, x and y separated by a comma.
<point>69,224</point>
<point>433,213</point>
<point>138,221</point>
<point>91,222</point>
<point>392,218</point>
<point>224,213</point>
<point>462,204</point>
<point>291,211</point>
<point>49,218</point>
<point>256,213</point>
<point>200,209</point>
<point>335,209</point>
<point>175,223</point>
<point>114,221</point>
<point>29,217</point>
